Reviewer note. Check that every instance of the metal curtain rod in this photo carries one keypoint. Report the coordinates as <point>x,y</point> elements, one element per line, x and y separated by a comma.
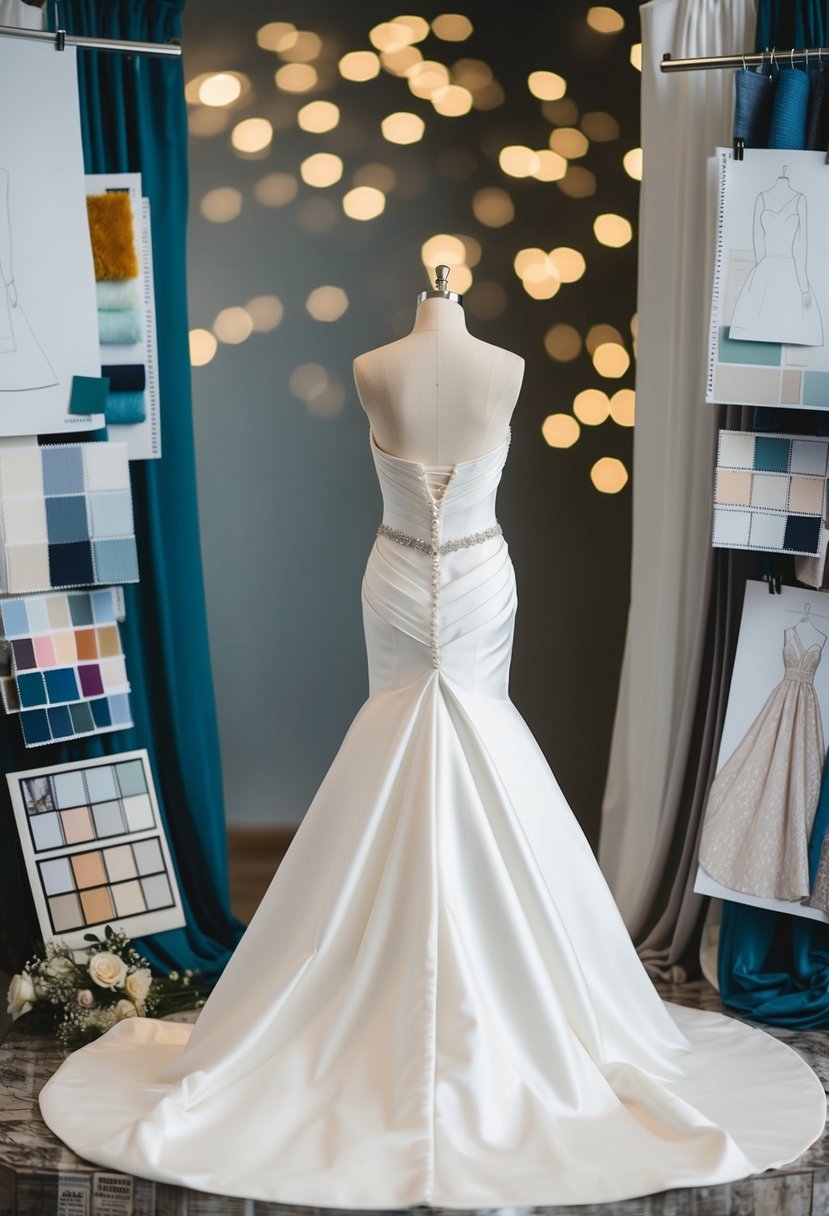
<point>755,59</point>
<point>61,39</point>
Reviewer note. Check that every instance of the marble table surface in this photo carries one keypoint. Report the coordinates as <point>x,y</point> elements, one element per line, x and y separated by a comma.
<point>40,1177</point>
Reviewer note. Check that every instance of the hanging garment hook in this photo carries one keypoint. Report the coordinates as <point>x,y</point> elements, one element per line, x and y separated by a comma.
<point>791,58</point>
<point>745,69</point>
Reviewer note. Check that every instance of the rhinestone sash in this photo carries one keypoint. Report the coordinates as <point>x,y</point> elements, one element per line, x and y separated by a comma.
<point>448,546</point>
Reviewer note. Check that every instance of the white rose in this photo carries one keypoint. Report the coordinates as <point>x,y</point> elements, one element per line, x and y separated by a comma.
<point>138,985</point>
<point>85,998</point>
<point>107,969</point>
<point>21,995</point>
<point>125,1009</point>
<point>60,967</point>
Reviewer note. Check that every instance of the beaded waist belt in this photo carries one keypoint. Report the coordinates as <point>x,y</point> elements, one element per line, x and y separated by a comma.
<point>448,546</point>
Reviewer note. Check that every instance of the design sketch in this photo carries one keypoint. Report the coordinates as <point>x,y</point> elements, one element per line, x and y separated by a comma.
<point>23,364</point>
<point>762,804</point>
<point>777,303</point>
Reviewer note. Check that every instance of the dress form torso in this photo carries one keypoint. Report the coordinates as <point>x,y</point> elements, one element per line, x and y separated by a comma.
<point>438,396</point>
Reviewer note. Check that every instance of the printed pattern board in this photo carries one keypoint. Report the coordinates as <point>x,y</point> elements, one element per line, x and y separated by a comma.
<point>770,492</point>
<point>66,516</point>
<point>769,331</point>
<point>95,848</point>
<point>69,677</point>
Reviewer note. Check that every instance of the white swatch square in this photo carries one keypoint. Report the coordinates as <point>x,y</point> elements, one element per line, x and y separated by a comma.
<point>731,528</point>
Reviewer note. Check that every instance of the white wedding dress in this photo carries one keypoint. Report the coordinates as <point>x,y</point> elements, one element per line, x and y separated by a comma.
<point>437,1001</point>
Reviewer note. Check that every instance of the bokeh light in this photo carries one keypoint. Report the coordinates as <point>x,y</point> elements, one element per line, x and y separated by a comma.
<point>321,169</point>
<point>401,62</point>
<point>442,249</point>
<point>612,230</point>
<point>252,136</point>
<point>204,122</point>
<point>318,116</point>
<point>609,475</point>
<point>597,334</point>
<point>426,77</point>
<point>452,27</point>
<point>517,160</point>
<point>390,36</point>
<point>623,407</point>
<point>276,189</point>
<point>203,346</point>
<point>221,205</point>
<point>452,100</point>
<point>418,27</point>
<point>552,167</point>
<point>221,89</point>
<point>233,325</point>
<point>600,126</point>
<point>327,303</point>
<point>296,77</point>
<point>569,142</point>
<point>611,360</point>
<point>486,299</point>
<point>403,127</point>
<point>592,406</point>
<point>547,86</point>
<point>605,20</point>
<point>265,312</point>
<point>269,36</point>
<point>307,380</point>
<point>632,162</point>
<point>364,203</point>
<point>299,46</point>
<point>578,182</point>
<point>563,343</point>
<point>382,177</point>
<point>568,263</point>
<point>560,430</point>
<point>359,66</point>
<point>636,56</point>
<point>492,207</point>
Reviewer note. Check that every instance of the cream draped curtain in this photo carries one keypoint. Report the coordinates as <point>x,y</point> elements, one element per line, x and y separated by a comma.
<point>652,801</point>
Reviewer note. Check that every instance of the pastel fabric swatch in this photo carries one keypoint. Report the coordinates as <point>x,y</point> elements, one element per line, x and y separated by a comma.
<point>122,326</point>
<point>118,294</point>
<point>95,848</point>
<point>69,676</point>
<point>66,515</point>
<point>770,492</point>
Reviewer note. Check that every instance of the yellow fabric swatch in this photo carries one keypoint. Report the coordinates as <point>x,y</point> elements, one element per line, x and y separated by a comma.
<point>113,241</point>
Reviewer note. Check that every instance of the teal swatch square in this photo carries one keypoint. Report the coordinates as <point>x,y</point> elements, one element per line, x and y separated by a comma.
<point>89,394</point>
<point>752,354</point>
<point>771,455</point>
<point>816,389</point>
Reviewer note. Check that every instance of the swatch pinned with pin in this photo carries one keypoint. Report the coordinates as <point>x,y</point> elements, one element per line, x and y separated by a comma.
<point>770,492</point>
<point>69,678</point>
<point>95,848</point>
<point>67,520</point>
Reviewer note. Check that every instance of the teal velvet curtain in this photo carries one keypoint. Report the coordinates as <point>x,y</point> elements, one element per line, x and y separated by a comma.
<point>771,966</point>
<point>133,118</point>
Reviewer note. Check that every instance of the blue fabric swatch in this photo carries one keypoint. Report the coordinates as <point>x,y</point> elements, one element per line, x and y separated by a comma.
<point>15,620</point>
<point>122,327</point>
<point>790,110</point>
<point>771,455</point>
<point>30,689</point>
<point>66,519</point>
<point>61,685</point>
<point>35,726</point>
<point>62,469</point>
<point>753,99</point>
<point>125,409</point>
<point>116,561</point>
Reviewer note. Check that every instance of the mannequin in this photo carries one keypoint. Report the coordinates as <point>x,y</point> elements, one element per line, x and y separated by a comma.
<point>438,395</point>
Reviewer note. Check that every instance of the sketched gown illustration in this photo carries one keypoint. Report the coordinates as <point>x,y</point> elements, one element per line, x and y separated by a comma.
<point>23,365</point>
<point>776,302</point>
<point>762,804</point>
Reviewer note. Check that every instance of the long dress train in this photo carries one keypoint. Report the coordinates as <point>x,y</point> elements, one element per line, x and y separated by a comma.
<point>437,1001</point>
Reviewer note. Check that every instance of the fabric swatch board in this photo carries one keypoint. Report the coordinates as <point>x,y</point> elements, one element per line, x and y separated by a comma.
<point>66,517</point>
<point>770,492</point>
<point>68,674</point>
<point>95,848</point>
<point>126,311</point>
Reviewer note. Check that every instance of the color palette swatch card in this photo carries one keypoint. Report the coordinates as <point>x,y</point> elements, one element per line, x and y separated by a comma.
<point>133,408</point>
<point>69,677</point>
<point>95,848</point>
<point>770,492</point>
<point>769,330</point>
<point>66,516</point>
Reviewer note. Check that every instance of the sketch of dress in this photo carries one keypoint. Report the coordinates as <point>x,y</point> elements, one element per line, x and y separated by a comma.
<point>23,364</point>
<point>776,302</point>
<point>762,803</point>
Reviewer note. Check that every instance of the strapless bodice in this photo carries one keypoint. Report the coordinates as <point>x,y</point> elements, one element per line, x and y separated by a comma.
<point>780,227</point>
<point>464,507</point>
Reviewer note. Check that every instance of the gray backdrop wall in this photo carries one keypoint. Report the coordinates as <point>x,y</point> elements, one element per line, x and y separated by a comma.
<point>288,498</point>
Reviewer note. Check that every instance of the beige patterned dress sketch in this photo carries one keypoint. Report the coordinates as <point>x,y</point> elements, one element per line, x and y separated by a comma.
<point>762,804</point>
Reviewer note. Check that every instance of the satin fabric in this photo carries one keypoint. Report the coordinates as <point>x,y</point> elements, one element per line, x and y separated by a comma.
<point>437,1001</point>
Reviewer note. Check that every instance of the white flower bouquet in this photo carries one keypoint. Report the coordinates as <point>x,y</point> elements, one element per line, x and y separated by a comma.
<point>80,994</point>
